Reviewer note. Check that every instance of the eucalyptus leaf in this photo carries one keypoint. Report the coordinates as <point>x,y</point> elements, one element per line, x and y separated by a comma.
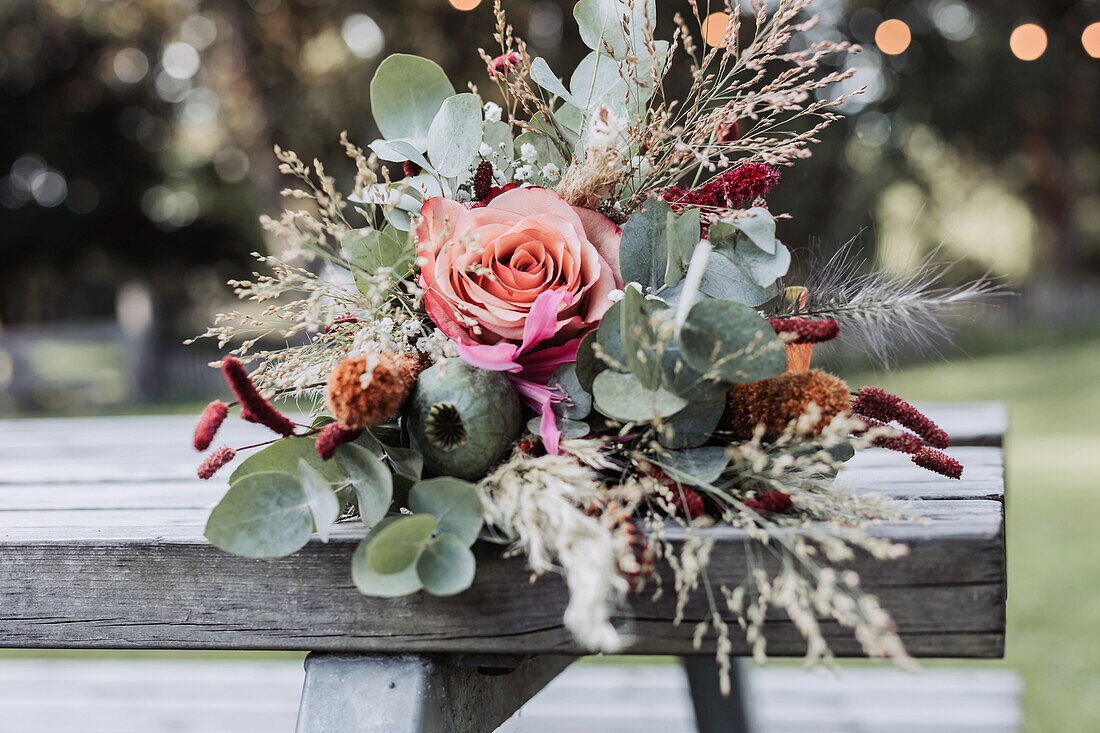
<point>682,236</point>
<point>600,23</point>
<point>546,152</point>
<point>454,503</point>
<point>446,566</point>
<point>399,544</point>
<point>731,341</point>
<point>406,461</point>
<point>406,93</point>
<point>597,81</point>
<point>762,267</point>
<point>577,402</point>
<point>622,397</point>
<point>369,251</point>
<point>498,136</point>
<point>323,504</point>
<point>609,335</point>
<point>726,281</point>
<point>588,365</point>
<point>569,428</point>
<point>372,481</point>
<point>264,514</point>
<point>639,339</point>
<point>455,135</point>
<point>282,457</point>
<point>681,378</point>
<point>758,225</point>
<point>402,149</point>
<point>698,465</point>
<point>643,246</point>
<point>692,426</point>
<point>375,584</point>
<point>545,77</point>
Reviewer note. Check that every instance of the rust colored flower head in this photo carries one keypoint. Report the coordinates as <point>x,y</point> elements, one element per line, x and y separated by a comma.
<point>774,403</point>
<point>358,399</point>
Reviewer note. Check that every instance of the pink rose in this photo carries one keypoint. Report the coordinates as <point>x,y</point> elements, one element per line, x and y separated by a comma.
<point>517,283</point>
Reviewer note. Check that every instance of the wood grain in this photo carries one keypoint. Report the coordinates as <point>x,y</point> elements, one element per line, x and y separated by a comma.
<point>101,546</point>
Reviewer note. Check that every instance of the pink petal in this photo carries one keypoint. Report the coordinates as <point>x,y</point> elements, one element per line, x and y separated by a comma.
<point>538,366</point>
<point>498,357</point>
<point>542,320</point>
<point>604,235</point>
<point>542,399</point>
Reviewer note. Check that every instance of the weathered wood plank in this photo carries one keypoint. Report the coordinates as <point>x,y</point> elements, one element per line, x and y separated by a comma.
<point>107,556</point>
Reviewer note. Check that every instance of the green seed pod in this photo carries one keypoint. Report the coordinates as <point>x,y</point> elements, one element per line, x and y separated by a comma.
<point>462,419</point>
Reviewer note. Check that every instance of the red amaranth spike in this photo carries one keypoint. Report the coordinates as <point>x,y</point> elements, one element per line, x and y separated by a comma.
<point>215,461</point>
<point>807,331</point>
<point>332,436</point>
<point>209,422</point>
<point>689,502</point>
<point>483,180</point>
<point>939,462</point>
<point>879,404</point>
<point>904,443</point>
<point>732,189</point>
<point>254,407</point>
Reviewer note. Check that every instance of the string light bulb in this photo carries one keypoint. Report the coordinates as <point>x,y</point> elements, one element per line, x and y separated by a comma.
<point>893,36</point>
<point>464,4</point>
<point>714,29</point>
<point>1028,41</point>
<point>1090,39</point>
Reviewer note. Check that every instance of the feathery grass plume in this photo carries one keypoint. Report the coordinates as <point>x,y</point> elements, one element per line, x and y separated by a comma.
<point>212,418</point>
<point>539,500</point>
<point>880,311</point>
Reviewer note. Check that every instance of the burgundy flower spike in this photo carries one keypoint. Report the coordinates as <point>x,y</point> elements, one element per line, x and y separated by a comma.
<point>254,406</point>
<point>879,404</point>
<point>806,332</point>
<point>215,461</point>
<point>939,462</point>
<point>332,436</point>
<point>212,418</point>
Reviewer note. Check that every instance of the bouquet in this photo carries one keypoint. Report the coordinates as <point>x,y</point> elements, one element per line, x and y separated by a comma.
<point>554,316</point>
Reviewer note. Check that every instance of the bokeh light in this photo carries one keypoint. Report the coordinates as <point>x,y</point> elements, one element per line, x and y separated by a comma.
<point>892,36</point>
<point>1090,39</point>
<point>1028,42</point>
<point>464,4</point>
<point>363,36</point>
<point>714,29</point>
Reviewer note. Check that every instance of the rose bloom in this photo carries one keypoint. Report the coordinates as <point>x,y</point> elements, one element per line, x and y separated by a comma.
<point>516,283</point>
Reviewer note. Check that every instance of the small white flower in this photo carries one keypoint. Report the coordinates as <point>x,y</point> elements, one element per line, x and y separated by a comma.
<point>485,151</point>
<point>410,327</point>
<point>492,112</point>
<point>386,325</point>
<point>551,172</point>
<point>528,153</point>
<point>615,296</point>
<point>524,172</point>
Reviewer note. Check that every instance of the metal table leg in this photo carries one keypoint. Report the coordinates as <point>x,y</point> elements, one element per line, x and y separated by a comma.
<point>713,712</point>
<point>380,693</point>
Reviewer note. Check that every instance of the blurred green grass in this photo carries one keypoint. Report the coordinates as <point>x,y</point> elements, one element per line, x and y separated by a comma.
<point>1052,449</point>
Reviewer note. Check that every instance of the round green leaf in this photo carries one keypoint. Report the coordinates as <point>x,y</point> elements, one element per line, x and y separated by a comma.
<point>262,515</point>
<point>454,504</point>
<point>400,543</point>
<point>609,334</point>
<point>693,425</point>
<point>373,482</point>
<point>446,566</point>
<point>282,457</point>
<point>455,135</point>
<point>622,397</point>
<point>698,465</point>
<point>731,341</point>
<point>578,402</point>
<point>374,584</point>
<point>588,365</point>
<point>406,93</point>
<point>323,504</point>
<point>569,428</point>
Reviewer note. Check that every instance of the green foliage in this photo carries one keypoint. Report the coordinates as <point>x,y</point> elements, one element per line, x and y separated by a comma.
<point>406,93</point>
<point>569,428</point>
<point>622,397</point>
<point>696,466</point>
<point>376,584</point>
<point>446,566</point>
<point>751,259</point>
<point>454,504</point>
<point>282,457</point>
<point>498,136</point>
<point>264,514</point>
<point>577,402</point>
<point>369,250</point>
<point>455,135</point>
<point>398,545</point>
<point>732,341</point>
<point>323,504</point>
<point>693,425</point>
<point>601,21</point>
<point>547,151</point>
<point>543,75</point>
<point>657,244</point>
<point>588,365</point>
<point>639,339</point>
<point>681,378</point>
<point>372,481</point>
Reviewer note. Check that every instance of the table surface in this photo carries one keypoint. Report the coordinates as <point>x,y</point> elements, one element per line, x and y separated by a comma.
<point>101,545</point>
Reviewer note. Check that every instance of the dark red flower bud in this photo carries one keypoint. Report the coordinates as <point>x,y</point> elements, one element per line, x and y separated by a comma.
<point>215,461</point>
<point>212,418</point>
<point>806,331</point>
<point>756,506</point>
<point>411,169</point>
<point>332,436</point>
<point>688,502</point>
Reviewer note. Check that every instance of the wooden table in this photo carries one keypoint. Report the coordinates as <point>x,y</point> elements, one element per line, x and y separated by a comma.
<point>101,546</point>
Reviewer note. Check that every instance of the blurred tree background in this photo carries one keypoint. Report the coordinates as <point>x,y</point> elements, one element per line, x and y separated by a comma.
<point>135,151</point>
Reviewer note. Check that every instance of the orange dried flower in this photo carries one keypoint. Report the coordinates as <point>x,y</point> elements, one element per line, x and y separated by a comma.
<point>774,403</point>
<point>359,403</point>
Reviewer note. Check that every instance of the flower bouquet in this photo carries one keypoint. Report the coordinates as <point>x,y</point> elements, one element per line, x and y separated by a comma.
<point>554,317</point>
